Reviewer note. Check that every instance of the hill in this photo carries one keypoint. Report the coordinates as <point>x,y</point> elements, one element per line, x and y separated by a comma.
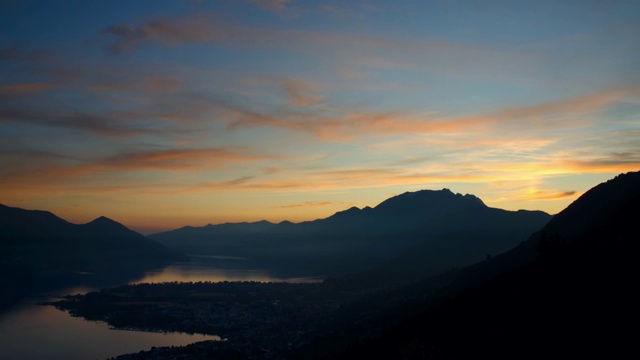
<point>41,251</point>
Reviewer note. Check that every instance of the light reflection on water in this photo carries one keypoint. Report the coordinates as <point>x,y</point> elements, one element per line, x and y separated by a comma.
<point>215,269</point>
<point>186,273</point>
<point>32,331</point>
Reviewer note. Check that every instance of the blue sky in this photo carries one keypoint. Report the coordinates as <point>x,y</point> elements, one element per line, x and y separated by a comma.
<point>166,113</point>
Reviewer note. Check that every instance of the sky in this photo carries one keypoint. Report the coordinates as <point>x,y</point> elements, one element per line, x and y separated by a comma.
<point>160,114</point>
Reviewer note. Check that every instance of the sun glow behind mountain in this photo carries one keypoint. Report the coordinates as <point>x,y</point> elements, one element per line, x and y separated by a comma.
<point>160,114</point>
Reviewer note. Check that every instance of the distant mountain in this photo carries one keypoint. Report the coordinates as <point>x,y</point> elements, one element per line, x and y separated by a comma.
<point>567,292</point>
<point>40,250</point>
<point>427,231</point>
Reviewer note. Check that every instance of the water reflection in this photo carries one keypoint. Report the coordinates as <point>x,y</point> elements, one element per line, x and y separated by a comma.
<point>214,269</point>
<point>43,332</point>
<point>32,331</point>
<point>185,272</point>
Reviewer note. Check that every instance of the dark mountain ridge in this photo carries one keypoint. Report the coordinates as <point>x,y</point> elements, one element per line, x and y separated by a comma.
<point>595,208</point>
<point>406,212</point>
<point>428,201</point>
<point>448,229</point>
<point>30,222</point>
<point>41,251</point>
<point>567,292</point>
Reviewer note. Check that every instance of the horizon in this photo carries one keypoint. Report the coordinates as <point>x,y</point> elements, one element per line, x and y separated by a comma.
<point>149,231</point>
<point>163,114</point>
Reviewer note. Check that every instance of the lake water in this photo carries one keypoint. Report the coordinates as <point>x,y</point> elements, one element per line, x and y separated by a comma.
<point>34,332</point>
<point>30,331</point>
<point>215,269</point>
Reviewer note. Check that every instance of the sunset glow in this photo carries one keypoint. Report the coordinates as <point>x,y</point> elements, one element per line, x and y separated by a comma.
<point>160,114</point>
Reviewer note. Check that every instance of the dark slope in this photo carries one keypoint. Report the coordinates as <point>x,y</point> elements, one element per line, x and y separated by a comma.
<point>568,292</point>
<point>29,223</point>
<point>228,237</point>
<point>596,208</point>
<point>41,251</point>
<point>449,229</point>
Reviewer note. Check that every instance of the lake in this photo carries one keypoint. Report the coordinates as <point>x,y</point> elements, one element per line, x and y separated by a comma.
<point>215,269</point>
<point>30,331</point>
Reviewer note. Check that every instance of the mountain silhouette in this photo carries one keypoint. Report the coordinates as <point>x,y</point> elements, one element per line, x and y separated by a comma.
<point>567,292</point>
<point>427,231</point>
<point>41,251</point>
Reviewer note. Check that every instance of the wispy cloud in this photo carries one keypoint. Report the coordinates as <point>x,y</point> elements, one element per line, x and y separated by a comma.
<point>601,166</point>
<point>526,174</point>
<point>27,87</point>
<point>302,93</point>
<point>354,178</point>
<point>54,167</point>
<point>298,92</point>
<point>148,84</point>
<point>177,159</point>
<point>562,114</point>
<point>275,5</point>
<point>233,182</point>
<point>167,32</point>
<point>148,105</point>
<point>119,124</point>
<point>549,195</point>
<point>306,205</point>
<point>454,59</point>
<point>578,105</point>
<point>19,53</point>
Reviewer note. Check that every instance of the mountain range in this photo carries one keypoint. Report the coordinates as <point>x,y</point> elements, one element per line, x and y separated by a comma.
<point>426,231</point>
<point>400,240</point>
<point>567,291</point>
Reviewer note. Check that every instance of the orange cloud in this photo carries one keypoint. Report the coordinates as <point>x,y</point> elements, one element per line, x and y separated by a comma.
<point>529,173</point>
<point>572,106</point>
<point>180,159</point>
<point>308,204</point>
<point>358,124</point>
<point>601,166</point>
<point>44,170</point>
<point>335,180</point>
<point>550,195</point>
